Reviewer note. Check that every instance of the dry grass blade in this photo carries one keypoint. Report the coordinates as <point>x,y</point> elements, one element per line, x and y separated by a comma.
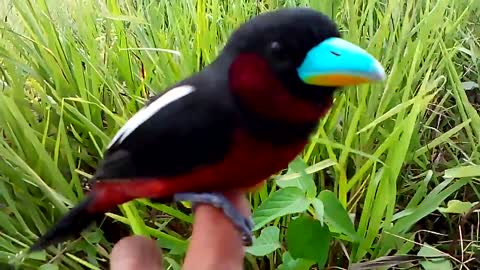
<point>391,262</point>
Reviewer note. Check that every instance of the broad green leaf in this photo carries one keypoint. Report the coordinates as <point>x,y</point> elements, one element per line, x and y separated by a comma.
<point>336,216</point>
<point>434,264</point>
<point>310,170</point>
<point>463,171</point>
<point>456,207</point>
<point>266,243</point>
<point>289,263</point>
<point>94,236</point>
<point>297,168</point>
<point>285,201</point>
<point>308,239</point>
<point>319,209</point>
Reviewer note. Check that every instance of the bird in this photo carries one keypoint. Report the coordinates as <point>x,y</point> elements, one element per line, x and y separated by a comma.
<point>230,125</point>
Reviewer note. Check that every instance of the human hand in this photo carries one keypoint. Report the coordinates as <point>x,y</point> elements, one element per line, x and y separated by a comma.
<point>215,243</point>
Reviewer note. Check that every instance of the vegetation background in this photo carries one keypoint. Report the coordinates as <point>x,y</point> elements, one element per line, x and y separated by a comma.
<point>389,180</point>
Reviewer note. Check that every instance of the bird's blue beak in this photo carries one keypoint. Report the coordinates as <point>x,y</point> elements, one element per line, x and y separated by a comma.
<point>337,62</point>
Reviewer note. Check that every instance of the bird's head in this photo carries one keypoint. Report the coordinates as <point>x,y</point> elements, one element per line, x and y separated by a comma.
<point>303,48</point>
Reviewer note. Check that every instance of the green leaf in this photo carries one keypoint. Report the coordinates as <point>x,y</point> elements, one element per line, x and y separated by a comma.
<point>336,216</point>
<point>308,239</point>
<point>456,207</point>
<point>297,169</point>
<point>164,240</point>
<point>48,266</point>
<point>172,264</point>
<point>136,222</point>
<point>266,243</point>
<point>430,203</point>
<point>285,201</point>
<point>400,107</point>
<point>463,171</point>
<point>38,255</point>
<point>319,209</point>
<point>469,85</point>
<point>125,18</point>
<point>434,264</point>
<point>5,266</point>
<point>94,236</point>
<point>290,263</point>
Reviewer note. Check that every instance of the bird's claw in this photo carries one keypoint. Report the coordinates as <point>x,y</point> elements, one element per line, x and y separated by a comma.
<point>218,200</point>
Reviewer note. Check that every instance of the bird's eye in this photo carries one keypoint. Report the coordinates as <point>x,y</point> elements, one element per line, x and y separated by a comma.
<point>275,46</point>
<point>277,51</point>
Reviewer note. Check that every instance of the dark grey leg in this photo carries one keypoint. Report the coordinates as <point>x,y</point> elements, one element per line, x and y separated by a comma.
<point>218,200</point>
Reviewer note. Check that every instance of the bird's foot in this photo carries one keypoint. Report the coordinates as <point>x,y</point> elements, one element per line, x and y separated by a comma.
<point>218,200</point>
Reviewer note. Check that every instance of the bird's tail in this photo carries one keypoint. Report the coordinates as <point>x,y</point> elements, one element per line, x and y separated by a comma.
<point>103,197</point>
<point>72,224</point>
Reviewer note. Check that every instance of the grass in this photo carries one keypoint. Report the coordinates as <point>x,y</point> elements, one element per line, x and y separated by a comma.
<point>392,171</point>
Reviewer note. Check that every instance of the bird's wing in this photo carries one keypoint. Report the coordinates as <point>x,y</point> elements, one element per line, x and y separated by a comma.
<point>174,133</point>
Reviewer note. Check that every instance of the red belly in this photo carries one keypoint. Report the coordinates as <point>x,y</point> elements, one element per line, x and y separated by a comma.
<point>247,164</point>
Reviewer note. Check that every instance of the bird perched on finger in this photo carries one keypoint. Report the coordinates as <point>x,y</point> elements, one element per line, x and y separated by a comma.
<point>231,125</point>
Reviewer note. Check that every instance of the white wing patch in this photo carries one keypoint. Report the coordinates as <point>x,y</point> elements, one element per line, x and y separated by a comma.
<point>146,112</point>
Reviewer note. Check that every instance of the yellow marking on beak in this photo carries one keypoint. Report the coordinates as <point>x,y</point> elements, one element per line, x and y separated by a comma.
<point>337,80</point>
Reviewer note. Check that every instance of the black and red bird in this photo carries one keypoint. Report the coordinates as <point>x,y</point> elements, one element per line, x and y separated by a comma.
<point>231,125</point>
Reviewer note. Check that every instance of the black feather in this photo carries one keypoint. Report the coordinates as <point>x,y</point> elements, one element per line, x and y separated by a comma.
<point>71,225</point>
